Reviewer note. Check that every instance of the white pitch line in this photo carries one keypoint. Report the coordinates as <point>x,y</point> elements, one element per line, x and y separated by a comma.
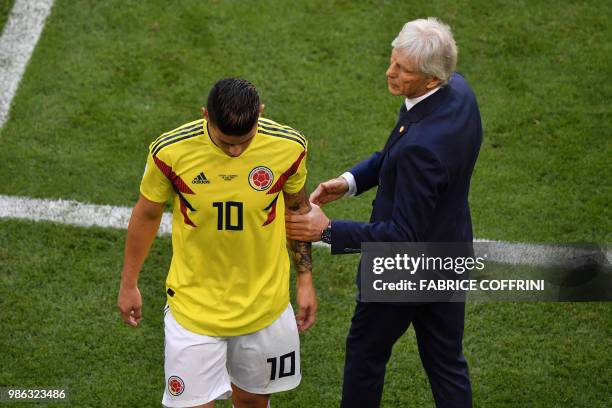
<point>72,213</point>
<point>519,253</point>
<point>19,37</point>
<point>87,215</point>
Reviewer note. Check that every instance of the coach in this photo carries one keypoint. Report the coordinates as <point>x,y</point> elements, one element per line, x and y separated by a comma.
<point>423,177</point>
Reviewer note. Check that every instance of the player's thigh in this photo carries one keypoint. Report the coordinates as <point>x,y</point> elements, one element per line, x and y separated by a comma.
<point>194,366</point>
<point>268,360</point>
<point>242,399</point>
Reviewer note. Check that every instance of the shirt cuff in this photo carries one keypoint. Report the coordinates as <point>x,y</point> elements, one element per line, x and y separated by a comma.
<point>350,179</point>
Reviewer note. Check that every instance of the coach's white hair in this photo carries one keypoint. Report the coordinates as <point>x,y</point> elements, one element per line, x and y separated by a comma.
<point>430,42</point>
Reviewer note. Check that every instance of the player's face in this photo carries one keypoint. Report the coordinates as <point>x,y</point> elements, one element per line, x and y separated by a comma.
<point>404,79</point>
<point>233,146</point>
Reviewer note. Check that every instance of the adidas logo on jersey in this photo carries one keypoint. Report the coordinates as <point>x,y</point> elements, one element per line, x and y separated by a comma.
<point>200,179</point>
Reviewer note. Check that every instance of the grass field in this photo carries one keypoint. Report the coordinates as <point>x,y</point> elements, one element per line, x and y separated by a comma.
<point>108,77</point>
<point>5,8</point>
<point>64,332</point>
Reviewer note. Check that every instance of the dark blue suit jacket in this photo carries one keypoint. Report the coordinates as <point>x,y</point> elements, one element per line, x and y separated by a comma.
<point>423,174</point>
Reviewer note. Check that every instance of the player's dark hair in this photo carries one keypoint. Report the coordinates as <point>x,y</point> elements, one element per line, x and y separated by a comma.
<point>233,106</point>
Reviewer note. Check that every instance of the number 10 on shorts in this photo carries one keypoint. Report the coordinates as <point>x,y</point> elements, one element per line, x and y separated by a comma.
<point>286,367</point>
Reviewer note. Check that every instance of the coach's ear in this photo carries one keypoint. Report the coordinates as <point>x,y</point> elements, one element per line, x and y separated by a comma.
<point>205,113</point>
<point>262,107</point>
<point>433,82</point>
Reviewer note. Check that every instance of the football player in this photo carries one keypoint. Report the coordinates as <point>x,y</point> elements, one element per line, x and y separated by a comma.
<point>229,325</point>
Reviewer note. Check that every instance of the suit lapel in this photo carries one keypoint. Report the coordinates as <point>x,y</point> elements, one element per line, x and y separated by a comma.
<point>418,112</point>
<point>401,127</point>
<point>428,105</point>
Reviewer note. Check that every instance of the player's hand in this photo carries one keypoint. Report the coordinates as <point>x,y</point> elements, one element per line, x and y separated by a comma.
<point>329,191</point>
<point>306,227</point>
<point>306,301</point>
<point>130,305</point>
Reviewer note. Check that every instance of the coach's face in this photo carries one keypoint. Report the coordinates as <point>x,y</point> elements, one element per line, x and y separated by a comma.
<point>404,79</point>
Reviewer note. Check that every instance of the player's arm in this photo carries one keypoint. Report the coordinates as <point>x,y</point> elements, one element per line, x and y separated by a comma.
<point>144,223</point>
<point>297,203</point>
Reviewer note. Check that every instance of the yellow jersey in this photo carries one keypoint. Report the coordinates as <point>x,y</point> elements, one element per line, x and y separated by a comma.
<point>229,273</point>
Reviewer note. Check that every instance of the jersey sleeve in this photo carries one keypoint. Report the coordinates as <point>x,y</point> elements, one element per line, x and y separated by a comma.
<point>296,181</point>
<point>155,186</point>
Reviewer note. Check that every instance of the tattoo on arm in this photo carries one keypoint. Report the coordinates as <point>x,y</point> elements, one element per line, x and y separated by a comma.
<point>302,251</point>
<point>297,203</point>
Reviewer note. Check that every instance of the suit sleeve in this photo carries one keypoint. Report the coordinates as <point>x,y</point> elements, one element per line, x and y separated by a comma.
<point>420,180</point>
<point>366,173</point>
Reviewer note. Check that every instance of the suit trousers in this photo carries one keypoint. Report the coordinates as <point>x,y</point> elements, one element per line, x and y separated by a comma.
<point>439,332</point>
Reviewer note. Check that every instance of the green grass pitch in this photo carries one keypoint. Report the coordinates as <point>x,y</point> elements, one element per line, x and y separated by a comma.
<point>5,8</point>
<point>108,77</point>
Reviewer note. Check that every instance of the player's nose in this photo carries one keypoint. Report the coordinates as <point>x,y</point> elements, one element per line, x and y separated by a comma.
<point>235,151</point>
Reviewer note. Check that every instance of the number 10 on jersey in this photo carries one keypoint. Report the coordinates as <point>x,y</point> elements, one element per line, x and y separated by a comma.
<point>229,215</point>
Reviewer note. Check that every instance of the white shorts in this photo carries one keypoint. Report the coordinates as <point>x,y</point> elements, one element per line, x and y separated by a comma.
<point>200,368</point>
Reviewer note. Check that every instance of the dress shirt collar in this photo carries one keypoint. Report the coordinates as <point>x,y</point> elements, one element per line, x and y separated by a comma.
<point>410,102</point>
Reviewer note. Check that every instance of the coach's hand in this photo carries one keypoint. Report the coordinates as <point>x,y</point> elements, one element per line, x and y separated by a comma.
<point>130,305</point>
<point>329,191</point>
<point>306,227</point>
<point>307,302</point>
